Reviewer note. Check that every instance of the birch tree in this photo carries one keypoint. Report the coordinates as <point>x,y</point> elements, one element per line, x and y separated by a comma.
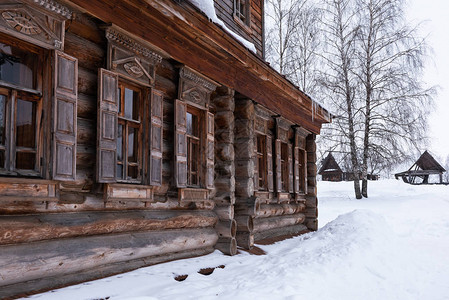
<point>394,102</point>
<point>338,79</point>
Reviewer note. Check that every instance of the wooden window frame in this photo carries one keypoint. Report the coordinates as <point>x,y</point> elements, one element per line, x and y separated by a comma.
<point>13,93</point>
<point>284,167</point>
<point>199,140</point>
<point>127,123</point>
<point>261,153</point>
<point>242,18</point>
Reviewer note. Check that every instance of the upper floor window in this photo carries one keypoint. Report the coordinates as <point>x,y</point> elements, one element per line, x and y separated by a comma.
<point>20,107</point>
<point>241,10</point>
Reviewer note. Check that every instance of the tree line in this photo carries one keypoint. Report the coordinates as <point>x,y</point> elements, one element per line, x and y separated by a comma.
<point>364,62</point>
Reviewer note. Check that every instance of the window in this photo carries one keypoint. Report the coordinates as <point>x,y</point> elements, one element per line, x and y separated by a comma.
<point>193,147</point>
<point>20,107</point>
<point>129,133</point>
<point>241,10</point>
<point>261,162</point>
<point>284,167</point>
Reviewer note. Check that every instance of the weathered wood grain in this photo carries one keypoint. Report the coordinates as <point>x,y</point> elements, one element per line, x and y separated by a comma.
<point>22,229</point>
<point>38,260</point>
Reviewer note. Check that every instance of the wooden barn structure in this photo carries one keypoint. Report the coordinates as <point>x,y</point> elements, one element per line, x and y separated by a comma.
<point>331,171</point>
<point>421,170</point>
<point>134,132</point>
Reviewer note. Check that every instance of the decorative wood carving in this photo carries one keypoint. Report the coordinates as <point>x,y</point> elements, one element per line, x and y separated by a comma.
<point>131,58</point>
<point>194,87</point>
<point>40,22</point>
<point>193,195</point>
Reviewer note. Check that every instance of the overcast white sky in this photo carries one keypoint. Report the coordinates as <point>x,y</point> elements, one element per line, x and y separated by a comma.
<point>435,13</point>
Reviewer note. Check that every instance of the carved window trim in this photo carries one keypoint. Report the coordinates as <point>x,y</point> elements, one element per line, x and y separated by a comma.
<point>41,23</point>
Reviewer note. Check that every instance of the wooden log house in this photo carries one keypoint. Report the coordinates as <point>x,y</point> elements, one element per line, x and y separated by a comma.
<point>134,132</point>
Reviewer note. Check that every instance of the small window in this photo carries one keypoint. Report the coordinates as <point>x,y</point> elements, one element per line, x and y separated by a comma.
<point>241,10</point>
<point>20,108</point>
<point>284,167</point>
<point>262,162</point>
<point>193,147</point>
<point>129,143</point>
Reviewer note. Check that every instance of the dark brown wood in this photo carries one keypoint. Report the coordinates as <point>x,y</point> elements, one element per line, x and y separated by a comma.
<point>245,240</point>
<point>287,231</point>
<point>46,283</point>
<point>180,144</point>
<point>156,141</point>
<point>81,254</point>
<point>227,245</point>
<point>263,224</point>
<point>249,75</point>
<point>107,126</point>
<point>65,116</point>
<point>22,229</point>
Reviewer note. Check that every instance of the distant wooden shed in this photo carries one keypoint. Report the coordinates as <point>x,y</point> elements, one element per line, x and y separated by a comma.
<point>420,171</point>
<point>330,170</point>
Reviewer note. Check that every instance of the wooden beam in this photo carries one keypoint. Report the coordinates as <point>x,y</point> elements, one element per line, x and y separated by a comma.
<point>187,36</point>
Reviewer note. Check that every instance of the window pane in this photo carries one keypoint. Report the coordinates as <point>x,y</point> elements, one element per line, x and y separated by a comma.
<point>132,144</point>
<point>120,143</point>
<point>2,159</point>
<point>120,171</point>
<point>192,124</point>
<point>131,104</point>
<point>26,124</point>
<point>132,172</point>
<point>2,119</point>
<point>25,161</point>
<point>189,123</point>
<point>17,66</point>
<point>119,93</point>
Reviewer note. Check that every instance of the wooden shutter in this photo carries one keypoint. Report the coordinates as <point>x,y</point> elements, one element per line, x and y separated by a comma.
<point>180,144</point>
<point>210,168</point>
<point>290,168</point>
<point>277,152</point>
<point>65,116</point>
<point>107,126</point>
<point>270,164</point>
<point>156,138</point>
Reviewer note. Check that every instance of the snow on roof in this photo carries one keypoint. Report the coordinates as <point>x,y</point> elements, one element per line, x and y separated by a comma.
<point>207,7</point>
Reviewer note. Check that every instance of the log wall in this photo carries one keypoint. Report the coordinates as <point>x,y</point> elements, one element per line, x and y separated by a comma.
<point>54,233</point>
<point>253,30</point>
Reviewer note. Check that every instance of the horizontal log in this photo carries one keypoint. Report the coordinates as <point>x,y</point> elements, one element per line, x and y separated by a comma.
<point>22,228</point>
<point>311,212</point>
<point>311,223</point>
<point>269,210</point>
<point>226,228</point>
<point>32,261</point>
<point>245,240</point>
<point>227,245</point>
<point>244,223</point>
<point>263,224</point>
<point>53,282</point>
<point>246,209</point>
<point>281,232</point>
<point>311,201</point>
<point>225,212</point>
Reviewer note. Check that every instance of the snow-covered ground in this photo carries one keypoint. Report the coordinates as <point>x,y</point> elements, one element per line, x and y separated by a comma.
<point>394,245</point>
